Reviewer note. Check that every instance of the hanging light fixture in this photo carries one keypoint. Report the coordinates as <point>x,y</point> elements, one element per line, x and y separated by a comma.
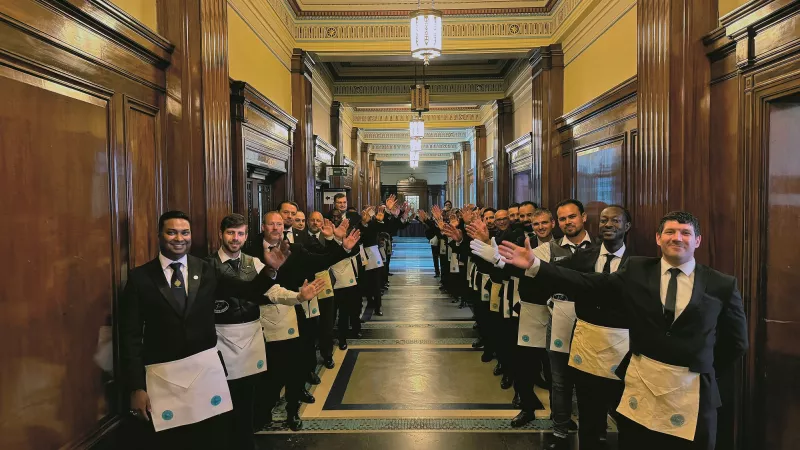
<point>416,145</point>
<point>417,127</point>
<point>426,32</point>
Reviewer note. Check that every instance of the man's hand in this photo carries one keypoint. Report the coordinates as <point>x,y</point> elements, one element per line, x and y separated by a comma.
<point>477,230</point>
<point>437,212</point>
<point>422,215</point>
<point>327,229</point>
<point>522,257</point>
<point>310,290</point>
<point>351,240</point>
<point>365,214</point>
<point>452,232</point>
<point>140,405</point>
<point>340,232</point>
<point>391,202</point>
<point>467,215</point>
<point>274,259</point>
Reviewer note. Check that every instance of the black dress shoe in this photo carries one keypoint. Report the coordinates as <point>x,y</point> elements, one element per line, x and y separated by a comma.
<point>516,403</point>
<point>391,274</point>
<point>478,343</point>
<point>523,418</point>
<point>486,356</point>
<point>557,443</point>
<point>329,364</point>
<point>506,382</point>
<point>436,276</point>
<point>362,320</point>
<point>379,313</point>
<point>475,325</point>
<point>306,397</point>
<point>313,378</point>
<point>342,346</point>
<point>356,335</point>
<point>294,422</point>
<point>498,369</point>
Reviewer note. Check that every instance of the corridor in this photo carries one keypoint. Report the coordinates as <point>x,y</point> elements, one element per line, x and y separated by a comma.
<point>413,381</point>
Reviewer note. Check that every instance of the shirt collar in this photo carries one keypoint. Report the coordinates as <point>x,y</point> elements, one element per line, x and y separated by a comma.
<point>687,268</point>
<point>165,262</point>
<point>224,256</point>
<point>618,253</point>
<point>270,245</point>
<point>565,240</point>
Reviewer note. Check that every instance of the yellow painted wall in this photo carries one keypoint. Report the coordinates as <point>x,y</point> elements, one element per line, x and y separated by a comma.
<point>321,117</point>
<point>726,6</point>
<point>250,60</point>
<point>523,116</point>
<point>607,62</point>
<point>144,11</point>
<point>347,144</point>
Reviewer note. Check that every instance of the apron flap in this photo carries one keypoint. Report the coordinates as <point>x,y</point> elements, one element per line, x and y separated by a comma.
<point>602,338</point>
<point>662,379</point>
<point>182,375</point>
<point>239,336</point>
<point>272,313</point>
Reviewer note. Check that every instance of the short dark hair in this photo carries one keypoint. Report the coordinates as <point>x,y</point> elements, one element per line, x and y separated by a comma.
<point>513,205</point>
<point>680,217</point>
<point>172,215</point>
<point>232,221</point>
<point>540,211</point>
<point>448,201</point>
<point>280,207</point>
<point>338,196</point>
<point>491,210</point>
<point>625,212</point>
<point>527,203</point>
<point>571,201</point>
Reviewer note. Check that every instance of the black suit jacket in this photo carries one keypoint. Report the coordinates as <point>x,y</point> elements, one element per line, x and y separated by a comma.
<point>710,333</point>
<point>604,313</point>
<point>154,329</point>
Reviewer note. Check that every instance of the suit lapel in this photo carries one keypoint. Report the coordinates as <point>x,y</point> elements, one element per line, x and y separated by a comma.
<point>699,288</point>
<point>194,282</point>
<point>654,289</point>
<point>157,275</point>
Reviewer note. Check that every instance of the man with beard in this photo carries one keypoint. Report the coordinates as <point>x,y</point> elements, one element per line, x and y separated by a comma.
<point>293,360</point>
<point>299,223</point>
<point>513,213</point>
<point>239,333</point>
<point>686,322</point>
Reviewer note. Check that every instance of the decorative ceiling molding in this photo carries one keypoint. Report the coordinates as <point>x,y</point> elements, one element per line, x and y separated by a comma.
<point>403,88</point>
<point>423,156</point>
<point>298,10</point>
<point>388,136</point>
<point>371,117</point>
<point>406,147</point>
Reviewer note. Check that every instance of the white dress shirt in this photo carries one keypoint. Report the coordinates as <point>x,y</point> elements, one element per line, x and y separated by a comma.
<point>601,261</point>
<point>572,247</point>
<point>685,284</point>
<point>165,262</point>
<point>276,293</point>
<point>289,236</point>
<point>224,258</point>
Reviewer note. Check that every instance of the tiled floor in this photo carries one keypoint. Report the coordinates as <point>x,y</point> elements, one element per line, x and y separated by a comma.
<point>413,380</point>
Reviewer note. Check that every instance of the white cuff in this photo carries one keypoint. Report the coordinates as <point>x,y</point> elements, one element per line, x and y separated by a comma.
<point>533,270</point>
<point>282,296</point>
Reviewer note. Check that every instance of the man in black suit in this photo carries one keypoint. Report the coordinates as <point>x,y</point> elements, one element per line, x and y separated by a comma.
<point>686,321</point>
<point>166,315</point>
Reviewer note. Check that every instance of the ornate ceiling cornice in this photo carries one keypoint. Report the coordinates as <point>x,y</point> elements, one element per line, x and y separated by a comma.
<point>389,136</point>
<point>300,13</point>
<point>379,117</point>
<point>424,156</point>
<point>405,147</point>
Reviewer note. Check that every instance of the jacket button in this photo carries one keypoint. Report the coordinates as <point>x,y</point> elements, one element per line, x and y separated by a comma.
<point>669,334</point>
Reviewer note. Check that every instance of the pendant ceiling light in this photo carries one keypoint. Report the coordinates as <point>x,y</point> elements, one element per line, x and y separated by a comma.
<point>426,33</point>
<point>417,127</point>
<point>416,145</point>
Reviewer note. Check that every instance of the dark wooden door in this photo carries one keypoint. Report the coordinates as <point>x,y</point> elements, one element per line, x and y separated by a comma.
<point>259,202</point>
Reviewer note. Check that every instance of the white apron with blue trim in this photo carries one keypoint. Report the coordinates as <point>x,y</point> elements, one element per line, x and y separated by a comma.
<point>469,271</point>
<point>242,348</point>
<point>453,259</point>
<point>515,296</point>
<point>495,299</point>
<point>598,350</point>
<point>533,321</point>
<point>327,290</point>
<point>661,397</point>
<point>311,307</point>
<point>561,325</point>
<point>485,293</point>
<point>373,255</point>
<point>188,390</point>
<point>279,322</point>
<point>344,273</point>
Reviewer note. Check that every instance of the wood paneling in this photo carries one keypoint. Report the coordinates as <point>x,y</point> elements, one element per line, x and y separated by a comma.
<point>478,172</point>
<point>487,184</point>
<point>596,146</point>
<point>521,164</point>
<point>303,154</point>
<point>82,152</point>
<point>547,101</point>
<point>503,135</point>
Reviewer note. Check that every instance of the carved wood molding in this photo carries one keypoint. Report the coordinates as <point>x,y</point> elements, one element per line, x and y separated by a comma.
<point>618,94</point>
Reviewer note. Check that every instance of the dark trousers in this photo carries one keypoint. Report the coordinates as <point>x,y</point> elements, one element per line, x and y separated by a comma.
<point>435,254</point>
<point>371,288</point>
<point>484,325</point>
<point>445,271</point>
<point>208,434</point>
<point>283,370</point>
<point>633,436</point>
<point>528,367</point>
<point>597,396</point>
<point>348,302</point>
<point>561,393</point>
<point>240,420</point>
<point>327,318</point>
<point>309,331</point>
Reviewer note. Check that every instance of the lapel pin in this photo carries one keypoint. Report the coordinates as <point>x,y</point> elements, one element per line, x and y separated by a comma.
<point>196,277</point>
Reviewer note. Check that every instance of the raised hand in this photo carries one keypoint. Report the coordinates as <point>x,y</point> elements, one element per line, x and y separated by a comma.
<point>437,212</point>
<point>391,202</point>
<point>477,230</point>
<point>467,214</point>
<point>422,215</point>
<point>310,290</point>
<point>275,258</point>
<point>351,240</point>
<point>520,256</point>
<point>453,232</point>
<point>327,229</point>
<point>365,214</point>
<point>341,231</point>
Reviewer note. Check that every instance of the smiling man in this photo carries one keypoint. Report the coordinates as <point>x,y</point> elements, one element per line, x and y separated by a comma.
<point>686,322</point>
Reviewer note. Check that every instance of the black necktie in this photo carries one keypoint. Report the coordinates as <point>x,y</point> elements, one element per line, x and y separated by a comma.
<point>672,296</point>
<point>178,284</point>
<point>286,235</point>
<point>234,263</point>
<point>607,265</point>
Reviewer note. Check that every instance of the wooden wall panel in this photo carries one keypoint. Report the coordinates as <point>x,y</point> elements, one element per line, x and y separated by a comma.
<point>600,179</point>
<point>303,154</point>
<point>547,101</point>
